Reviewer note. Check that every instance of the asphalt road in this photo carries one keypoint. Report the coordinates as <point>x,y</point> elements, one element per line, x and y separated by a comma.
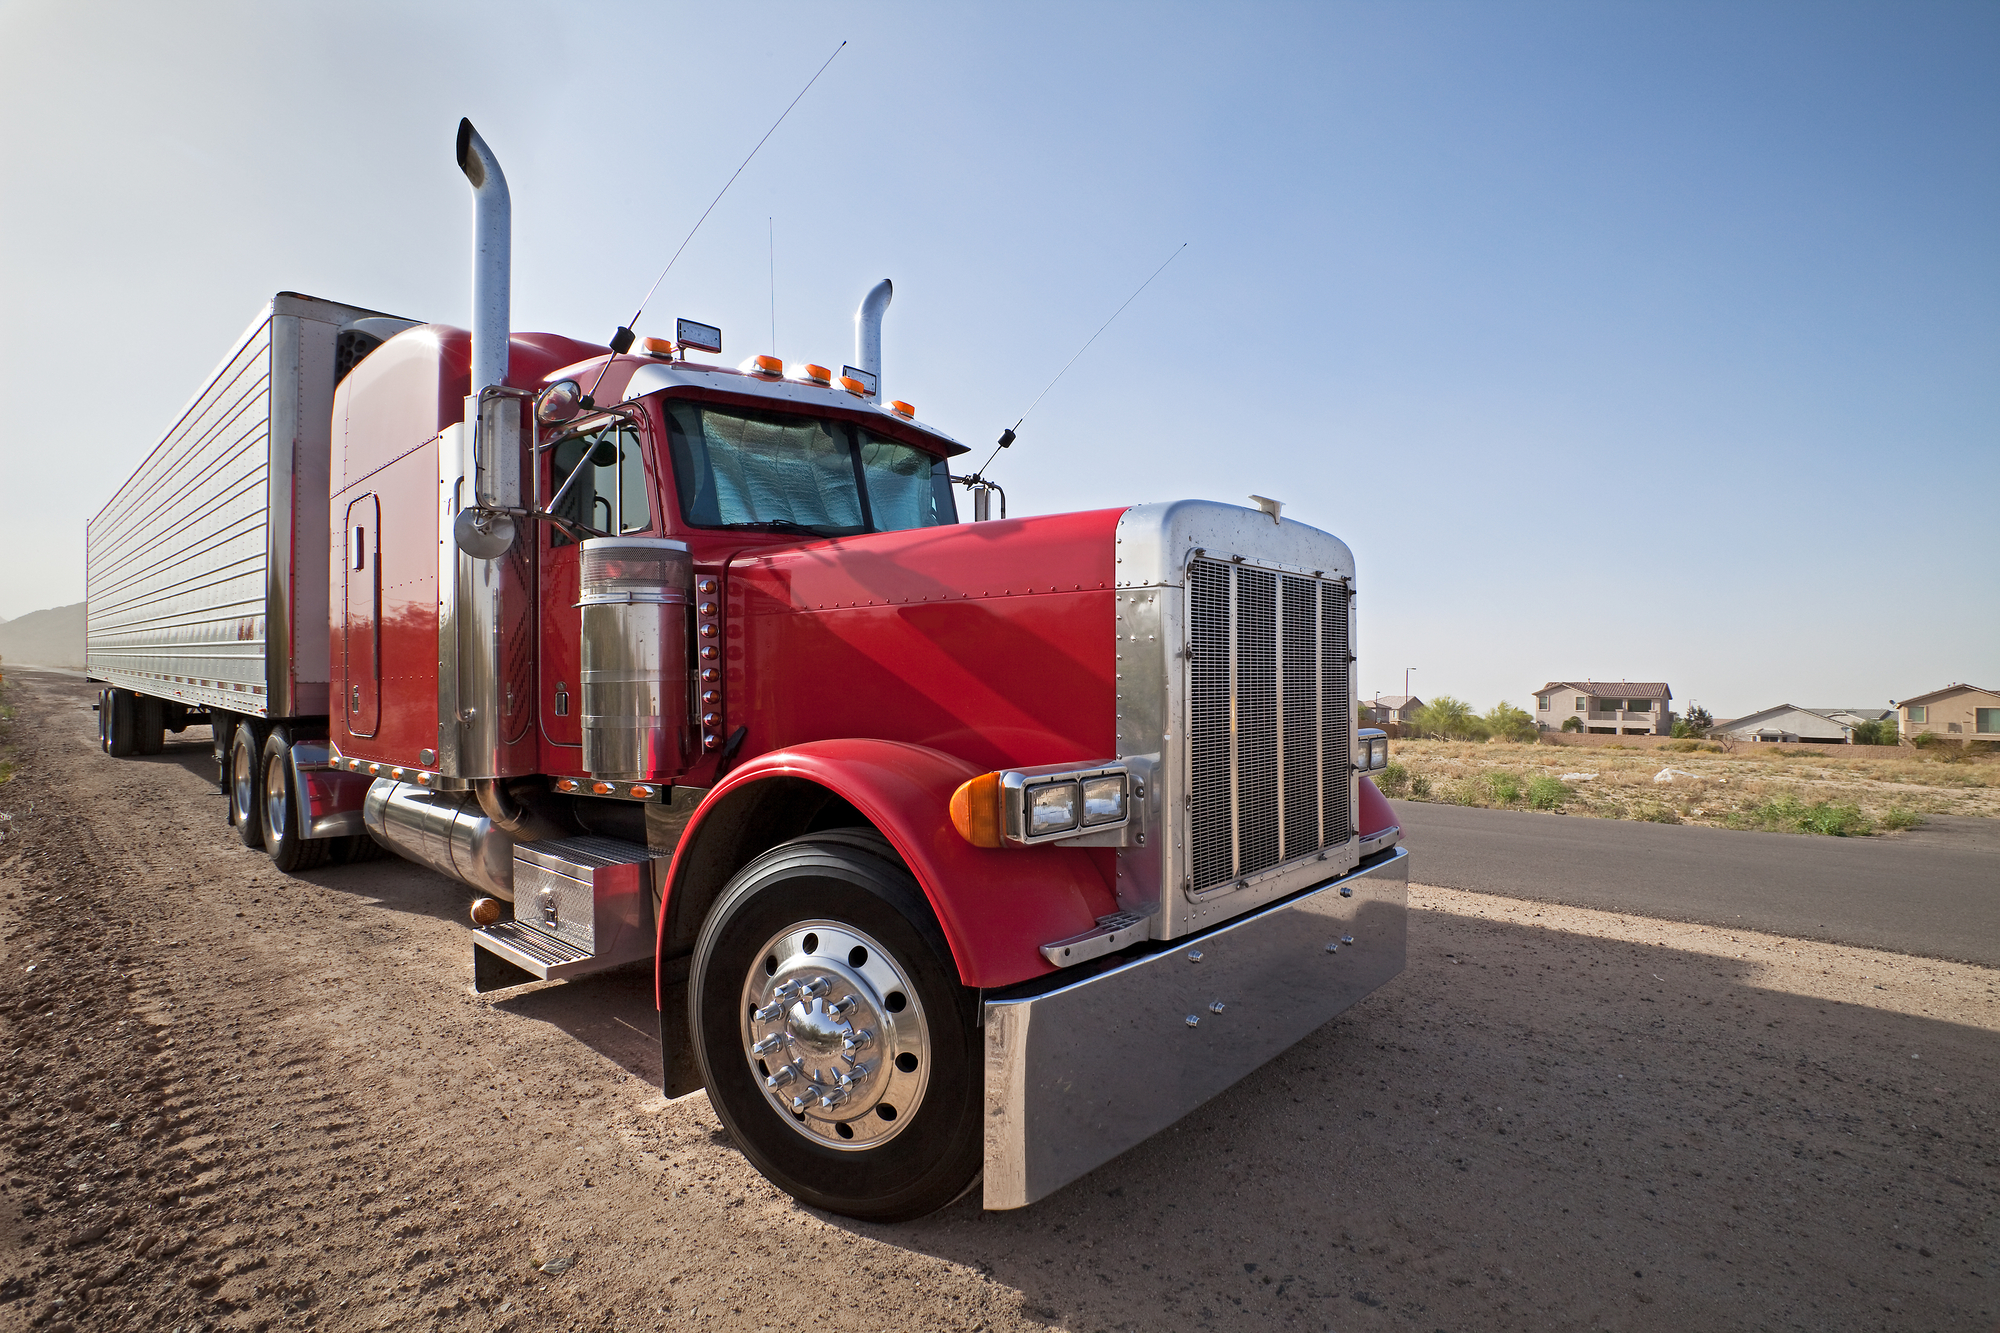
<point>1934,892</point>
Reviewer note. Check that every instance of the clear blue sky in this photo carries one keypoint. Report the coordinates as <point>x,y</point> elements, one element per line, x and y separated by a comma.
<point>1655,341</point>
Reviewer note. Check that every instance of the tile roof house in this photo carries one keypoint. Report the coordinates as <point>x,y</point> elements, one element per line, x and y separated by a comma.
<point>1789,722</point>
<point>1606,708</point>
<point>1956,712</point>
<point>1391,707</point>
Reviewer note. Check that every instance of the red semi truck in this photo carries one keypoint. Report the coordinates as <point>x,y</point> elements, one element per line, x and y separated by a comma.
<point>960,850</point>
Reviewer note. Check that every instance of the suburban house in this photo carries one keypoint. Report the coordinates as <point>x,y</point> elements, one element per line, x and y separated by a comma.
<point>1956,712</point>
<point>1390,708</point>
<point>1606,708</point>
<point>1789,722</point>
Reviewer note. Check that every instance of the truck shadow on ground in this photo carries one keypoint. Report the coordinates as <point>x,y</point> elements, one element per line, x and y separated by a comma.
<point>1533,1126</point>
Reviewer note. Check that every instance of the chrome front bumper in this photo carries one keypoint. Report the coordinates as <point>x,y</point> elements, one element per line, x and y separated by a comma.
<point>1078,1073</point>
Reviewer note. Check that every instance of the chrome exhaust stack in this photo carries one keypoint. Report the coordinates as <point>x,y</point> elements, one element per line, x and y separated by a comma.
<point>445,831</point>
<point>868,332</point>
<point>484,605</point>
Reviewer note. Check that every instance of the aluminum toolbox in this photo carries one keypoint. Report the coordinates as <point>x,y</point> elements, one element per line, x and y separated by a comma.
<point>206,574</point>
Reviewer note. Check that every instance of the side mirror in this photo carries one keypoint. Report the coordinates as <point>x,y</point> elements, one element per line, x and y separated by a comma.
<point>560,402</point>
<point>482,535</point>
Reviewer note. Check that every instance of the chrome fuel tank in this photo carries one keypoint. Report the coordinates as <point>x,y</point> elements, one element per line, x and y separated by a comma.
<point>446,831</point>
<point>634,601</point>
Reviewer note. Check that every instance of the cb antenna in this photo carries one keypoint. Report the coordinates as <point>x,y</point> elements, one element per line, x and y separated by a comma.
<point>621,341</point>
<point>1007,436</point>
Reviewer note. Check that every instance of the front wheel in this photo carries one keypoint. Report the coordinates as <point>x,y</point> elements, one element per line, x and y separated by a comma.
<point>838,1046</point>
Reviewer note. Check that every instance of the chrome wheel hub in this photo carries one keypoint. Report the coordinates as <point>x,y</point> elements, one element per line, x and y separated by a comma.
<point>242,768</point>
<point>275,810</point>
<point>834,1035</point>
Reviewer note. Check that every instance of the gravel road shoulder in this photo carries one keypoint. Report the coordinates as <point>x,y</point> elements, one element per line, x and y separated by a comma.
<point>233,1098</point>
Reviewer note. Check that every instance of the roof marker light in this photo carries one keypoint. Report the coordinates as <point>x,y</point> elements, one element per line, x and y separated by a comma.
<point>854,386</point>
<point>902,409</point>
<point>817,374</point>
<point>658,346</point>
<point>763,365</point>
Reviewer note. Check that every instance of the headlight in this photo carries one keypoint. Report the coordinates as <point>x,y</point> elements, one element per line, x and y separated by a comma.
<point>1104,800</point>
<point>1055,803</point>
<point>1371,749</point>
<point>1052,808</point>
<point>1378,752</point>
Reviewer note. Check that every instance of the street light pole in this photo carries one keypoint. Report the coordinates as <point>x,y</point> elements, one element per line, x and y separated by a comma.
<point>1406,681</point>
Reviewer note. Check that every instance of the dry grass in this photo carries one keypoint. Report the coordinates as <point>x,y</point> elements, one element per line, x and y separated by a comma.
<point>1873,790</point>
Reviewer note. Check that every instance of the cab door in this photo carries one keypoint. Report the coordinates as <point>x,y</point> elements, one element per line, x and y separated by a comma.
<point>613,495</point>
<point>361,618</point>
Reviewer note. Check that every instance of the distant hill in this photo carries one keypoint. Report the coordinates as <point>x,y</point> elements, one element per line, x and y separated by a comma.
<point>45,638</point>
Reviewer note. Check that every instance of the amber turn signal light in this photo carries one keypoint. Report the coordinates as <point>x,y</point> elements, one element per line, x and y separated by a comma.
<point>901,408</point>
<point>975,811</point>
<point>486,911</point>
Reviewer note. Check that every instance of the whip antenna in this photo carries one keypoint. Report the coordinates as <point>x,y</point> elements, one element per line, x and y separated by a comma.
<point>621,341</point>
<point>1007,436</point>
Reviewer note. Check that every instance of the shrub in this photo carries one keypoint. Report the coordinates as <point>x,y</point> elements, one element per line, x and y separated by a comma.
<point>1420,787</point>
<point>1505,722</point>
<point>1788,814</point>
<point>1572,724</point>
<point>1877,731</point>
<point>1899,818</point>
<point>1655,813</point>
<point>1393,780</point>
<point>1506,787</point>
<point>1683,746</point>
<point>1546,793</point>
<point>1448,719</point>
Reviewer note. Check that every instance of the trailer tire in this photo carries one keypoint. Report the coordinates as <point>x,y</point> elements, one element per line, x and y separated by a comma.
<point>149,725</point>
<point>835,906</point>
<point>284,815</point>
<point>246,784</point>
<point>114,723</point>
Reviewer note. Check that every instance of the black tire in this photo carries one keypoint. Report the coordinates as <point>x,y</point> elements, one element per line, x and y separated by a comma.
<point>246,784</point>
<point>933,1148</point>
<point>114,723</point>
<point>149,726</point>
<point>284,815</point>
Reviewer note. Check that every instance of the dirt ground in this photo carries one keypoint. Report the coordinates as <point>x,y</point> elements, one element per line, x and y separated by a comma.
<point>1851,790</point>
<point>235,1099</point>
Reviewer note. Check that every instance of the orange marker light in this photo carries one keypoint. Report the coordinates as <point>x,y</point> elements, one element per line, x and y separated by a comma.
<point>565,784</point>
<point>764,365</point>
<point>657,346</point>
<point>602,788</point>
<point>817,374</point>
<point>854,386</point>
<point>975,811</point>
<point>901,408</point>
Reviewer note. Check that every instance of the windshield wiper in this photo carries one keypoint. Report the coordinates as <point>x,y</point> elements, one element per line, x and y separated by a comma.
<point>786,525</point>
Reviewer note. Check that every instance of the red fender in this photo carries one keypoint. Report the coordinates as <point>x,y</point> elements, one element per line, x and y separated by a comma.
<point>997,906</point>
<point>1375,812</point>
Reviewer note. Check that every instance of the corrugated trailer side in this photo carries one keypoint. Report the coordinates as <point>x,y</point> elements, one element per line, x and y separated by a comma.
<point>206,574</point>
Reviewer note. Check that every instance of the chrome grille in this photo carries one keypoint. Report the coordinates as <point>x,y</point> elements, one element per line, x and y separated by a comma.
<point>1271,717</point>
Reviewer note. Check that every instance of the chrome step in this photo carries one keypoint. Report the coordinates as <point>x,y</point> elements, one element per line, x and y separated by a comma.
<point>581,905</point>
<point>1111,934</point>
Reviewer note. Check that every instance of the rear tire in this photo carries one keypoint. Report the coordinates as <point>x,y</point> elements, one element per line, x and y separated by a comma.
<point>246,785</point>
<point>906,1136</point>
<point>114,723</point>
<point>285,817</point>
<point>149,725</point>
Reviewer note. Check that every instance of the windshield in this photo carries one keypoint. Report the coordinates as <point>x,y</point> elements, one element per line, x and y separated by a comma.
<point>737,468</point>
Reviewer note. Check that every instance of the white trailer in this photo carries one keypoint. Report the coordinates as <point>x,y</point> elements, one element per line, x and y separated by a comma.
<point>206,574</point>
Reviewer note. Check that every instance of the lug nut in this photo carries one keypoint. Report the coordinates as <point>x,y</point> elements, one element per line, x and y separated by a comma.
<point>854,1041</point>
<point>844,1005</point>
<point>1194,1020</point>
<point>832,1097</point>
<point>853,1076</point>
<point>781,1076</point>
<point>769,1044</point>
<point>815,988</point>
<point>770,1012</point>
<point>1215,1006</point>
<point>788,990</point>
